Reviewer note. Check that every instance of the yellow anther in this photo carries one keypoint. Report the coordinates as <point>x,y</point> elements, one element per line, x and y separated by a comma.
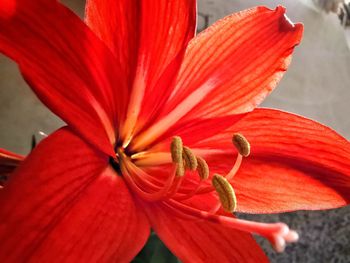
<point>202,168</point>
<point>176,149</point>
<point>241,144</point>
<point>226,193</point>
<point>189,158</point>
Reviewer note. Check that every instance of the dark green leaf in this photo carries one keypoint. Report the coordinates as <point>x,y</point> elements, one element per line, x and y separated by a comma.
<point>155,252</point>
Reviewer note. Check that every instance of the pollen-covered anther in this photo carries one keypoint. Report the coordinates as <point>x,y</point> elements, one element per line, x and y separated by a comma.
<point>202,168</point>
<point>176,149</point>
<point>226,193</point>
<point>241,143</point>
<point>189,158</point>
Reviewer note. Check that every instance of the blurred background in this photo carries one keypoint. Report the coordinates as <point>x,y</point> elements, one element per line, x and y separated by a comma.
<point>317,85</point>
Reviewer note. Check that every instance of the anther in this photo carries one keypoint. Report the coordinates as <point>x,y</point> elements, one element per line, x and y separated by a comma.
<point>241,143</point>
<point>202,168</point>
<point>226,193</point>
<point>189,158</point>
<point>176,149</point>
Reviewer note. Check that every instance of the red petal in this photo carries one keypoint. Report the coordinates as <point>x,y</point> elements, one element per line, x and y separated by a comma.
<point>65,203</point>
<point>200,241</point>
<point>195,130</point>
<point>68,67</point>
<point>234,64</point>
<point>295,163</point>
<point>228,69</point>
<point>164,38</point>
<point>199,129</point>
<point>149,38</point>
<point>115,22</point>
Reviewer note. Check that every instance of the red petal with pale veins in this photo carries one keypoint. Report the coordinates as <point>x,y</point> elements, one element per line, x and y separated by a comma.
<point>115,22</point>
<point>164,38</point>
<point>228,69</point>
<point>295,163</point>
<point>149,38</point>
<point>68,67</point>
<point>195,130</point>
<point>234,64</point>
<point>64,203</point>
<point>200,241</point>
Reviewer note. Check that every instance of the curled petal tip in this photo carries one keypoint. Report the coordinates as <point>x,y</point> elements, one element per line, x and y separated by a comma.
<point>287,25</point>
<point>287,21</point>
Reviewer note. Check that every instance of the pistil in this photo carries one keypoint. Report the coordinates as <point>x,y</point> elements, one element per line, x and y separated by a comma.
<point>278,234</point>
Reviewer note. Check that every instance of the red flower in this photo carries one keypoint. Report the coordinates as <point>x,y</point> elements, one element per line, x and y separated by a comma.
<point>126,84</point>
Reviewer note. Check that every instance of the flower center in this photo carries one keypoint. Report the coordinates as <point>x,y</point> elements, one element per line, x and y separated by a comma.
<point>182,162</point>
<point>172,191</point>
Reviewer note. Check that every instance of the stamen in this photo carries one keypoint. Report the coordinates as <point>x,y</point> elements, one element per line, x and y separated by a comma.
<point>135,176</point>
<point>202,168</point>
<point>184,196</point>
<point>203,172</point>
<point>189,158</point>
<point>226,193</point>
<point>241,144</point>
<point>175,187</point>
<point>235,168</point>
